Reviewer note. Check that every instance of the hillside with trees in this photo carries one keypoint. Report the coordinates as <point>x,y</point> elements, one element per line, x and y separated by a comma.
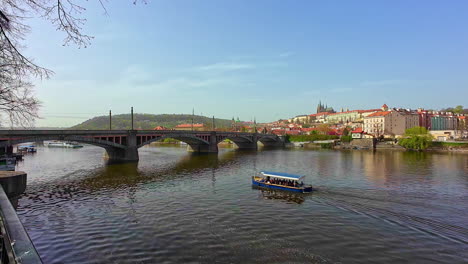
<point>149,121</point>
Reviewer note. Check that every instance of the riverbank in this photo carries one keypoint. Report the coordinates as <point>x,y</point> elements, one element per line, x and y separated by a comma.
<point>461,147</point>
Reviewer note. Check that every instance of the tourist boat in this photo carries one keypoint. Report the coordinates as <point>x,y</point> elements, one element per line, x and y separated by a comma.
<point>28,148</point>
<point>281,181</point>
<point>58,144</point>
<point>7,163</point>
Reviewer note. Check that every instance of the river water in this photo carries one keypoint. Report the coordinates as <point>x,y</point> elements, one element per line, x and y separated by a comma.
<point>176,207</point>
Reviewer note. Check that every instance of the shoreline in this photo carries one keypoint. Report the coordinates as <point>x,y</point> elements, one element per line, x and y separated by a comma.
<point>314,146</point>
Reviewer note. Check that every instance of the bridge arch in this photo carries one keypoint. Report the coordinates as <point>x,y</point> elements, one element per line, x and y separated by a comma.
<point>189,139</point>
<point>242,142</point>
<point>87,140</point>
<point>270,140</point>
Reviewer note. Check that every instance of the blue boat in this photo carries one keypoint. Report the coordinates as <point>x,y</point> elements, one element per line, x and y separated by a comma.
<point>281,181</point>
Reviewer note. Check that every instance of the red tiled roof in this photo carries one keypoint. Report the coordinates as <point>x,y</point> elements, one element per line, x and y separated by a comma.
<point>309,129</point>
<point>278,132</point>
<point>160,128</point>
<point>370,110</point>
<point>321,113</point>
<point>292,132</point>
<point>189,125</point>
<point>384,106</point>
<point>383,113</point>
<point>357,130</point>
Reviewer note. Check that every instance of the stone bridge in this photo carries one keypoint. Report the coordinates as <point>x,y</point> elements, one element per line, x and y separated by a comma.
<point>122,145</point>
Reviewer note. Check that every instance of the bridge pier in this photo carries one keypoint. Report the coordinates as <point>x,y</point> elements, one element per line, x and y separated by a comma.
<point>247,145</point>
<point>128,154</point>
<point>274,144</point>
<point>203,148</point>
<point>212,147</point>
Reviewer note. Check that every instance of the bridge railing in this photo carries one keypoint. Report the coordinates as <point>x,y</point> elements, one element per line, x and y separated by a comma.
<point>16,246</point>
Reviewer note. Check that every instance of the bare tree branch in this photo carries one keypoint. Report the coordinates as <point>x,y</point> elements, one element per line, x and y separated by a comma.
<point>17,101</point>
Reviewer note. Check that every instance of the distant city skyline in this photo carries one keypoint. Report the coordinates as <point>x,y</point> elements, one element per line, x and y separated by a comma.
<point>265,59</point>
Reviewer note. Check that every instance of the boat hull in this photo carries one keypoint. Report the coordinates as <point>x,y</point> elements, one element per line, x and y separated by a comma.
<point>7,164</point>
<point>306,189</point>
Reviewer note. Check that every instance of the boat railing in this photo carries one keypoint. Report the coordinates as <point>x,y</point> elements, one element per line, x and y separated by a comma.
<point>16,246</point>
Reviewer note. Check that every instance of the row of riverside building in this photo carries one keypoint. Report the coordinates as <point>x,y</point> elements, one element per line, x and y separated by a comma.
<point>388,122</point>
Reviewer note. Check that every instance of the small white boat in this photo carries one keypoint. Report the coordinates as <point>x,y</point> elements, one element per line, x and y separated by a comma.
<point>7,163</point>
<point>26,148</point>
<point>59,144</point>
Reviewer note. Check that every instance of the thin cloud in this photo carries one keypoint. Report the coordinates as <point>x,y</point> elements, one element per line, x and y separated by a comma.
<point>382,82</point>
<point>225,66</point>
<point>341,90</point>
<point>286,54</point>
<point>311,92</point>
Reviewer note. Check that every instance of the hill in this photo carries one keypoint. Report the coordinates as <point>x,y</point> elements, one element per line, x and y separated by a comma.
<point>148,121</point>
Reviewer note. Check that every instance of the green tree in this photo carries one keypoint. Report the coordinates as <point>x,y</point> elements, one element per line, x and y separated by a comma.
<point>345,131</point>
<point>346,138</point>
<point>458,109</point>
<point>416,138</point>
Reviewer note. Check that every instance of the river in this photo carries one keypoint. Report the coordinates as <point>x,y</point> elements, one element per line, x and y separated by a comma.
<point>176,207</point>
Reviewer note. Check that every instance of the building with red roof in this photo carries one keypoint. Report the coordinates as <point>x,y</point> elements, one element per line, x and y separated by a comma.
<point>196,127</point>
<point>160,128</point>
<point>350,116</point>
<point>390,123</point>
<point>438,120</point>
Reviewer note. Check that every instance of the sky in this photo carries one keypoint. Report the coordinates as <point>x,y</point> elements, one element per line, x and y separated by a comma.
<point>262,59</point>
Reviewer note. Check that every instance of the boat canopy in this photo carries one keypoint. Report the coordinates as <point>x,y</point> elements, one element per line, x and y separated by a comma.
<point>282,175</point>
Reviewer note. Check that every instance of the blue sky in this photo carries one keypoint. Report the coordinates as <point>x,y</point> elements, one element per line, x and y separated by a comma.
<point>265,58</point>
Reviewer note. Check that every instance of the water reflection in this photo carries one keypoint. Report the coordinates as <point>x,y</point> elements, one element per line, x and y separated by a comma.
<point>288,197</point>
<point>131,174</point>
<point>173,207</point>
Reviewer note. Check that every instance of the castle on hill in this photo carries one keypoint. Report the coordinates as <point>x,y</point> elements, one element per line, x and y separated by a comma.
<point>324,108</point>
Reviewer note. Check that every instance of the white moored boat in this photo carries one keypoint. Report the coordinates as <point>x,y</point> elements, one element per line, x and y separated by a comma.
<point>59,144</point>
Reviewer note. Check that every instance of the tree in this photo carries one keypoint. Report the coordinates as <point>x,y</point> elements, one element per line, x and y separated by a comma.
<point>324,129</point>
<point>345,131</point>
<point>16,70</point>
<point>416,138</point>
<point>458,109</point>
